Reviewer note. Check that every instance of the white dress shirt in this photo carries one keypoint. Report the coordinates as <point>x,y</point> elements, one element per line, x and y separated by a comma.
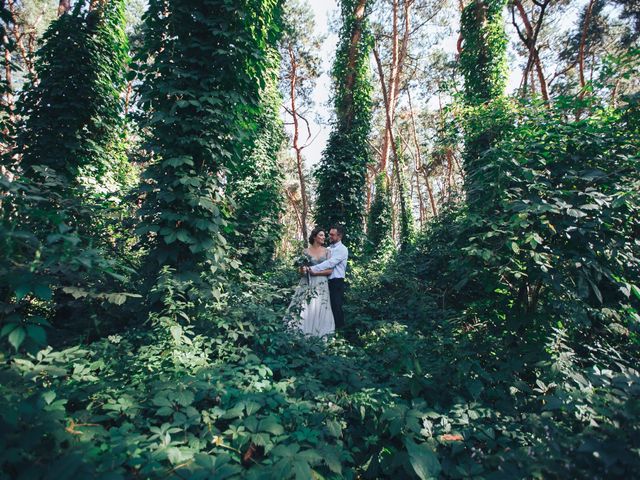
<point>337,261</point>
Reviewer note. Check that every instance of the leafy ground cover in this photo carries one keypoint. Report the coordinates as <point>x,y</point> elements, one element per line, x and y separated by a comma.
<point>404,394</point>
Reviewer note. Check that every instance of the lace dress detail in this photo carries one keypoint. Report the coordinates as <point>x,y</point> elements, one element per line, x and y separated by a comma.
<point>310,307</point>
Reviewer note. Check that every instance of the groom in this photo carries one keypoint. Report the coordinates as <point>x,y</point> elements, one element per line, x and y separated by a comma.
<point>338,262</point>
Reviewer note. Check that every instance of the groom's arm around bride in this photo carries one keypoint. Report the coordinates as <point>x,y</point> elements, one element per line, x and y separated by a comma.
<point>338,262</point>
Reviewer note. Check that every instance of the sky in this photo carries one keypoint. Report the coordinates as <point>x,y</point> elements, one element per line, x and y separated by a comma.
<point>322,10</point>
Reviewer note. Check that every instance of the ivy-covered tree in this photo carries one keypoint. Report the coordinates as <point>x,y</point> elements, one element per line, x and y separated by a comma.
<point>483,63</point>
<point>206,63</point>
<point>406,220</point>
<point>380,219</point>
<point>255,182</point>
<point>74,123</point>
<point>341,175</point>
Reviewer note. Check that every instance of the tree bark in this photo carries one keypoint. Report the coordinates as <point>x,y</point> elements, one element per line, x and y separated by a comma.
<point>419,156</point>
<point>583,39</point>
<point>293,77</point>
<point>530,42</point>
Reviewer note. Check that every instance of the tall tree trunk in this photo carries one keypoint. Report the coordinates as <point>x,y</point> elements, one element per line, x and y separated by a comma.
<point>293,76</point>
<point>356,36</point>
<point>398,57</point>
<point>419,156</point>
<point>422,212</point>
<point>401,196</point>
<point>583,40</point>
<point>530,42</point>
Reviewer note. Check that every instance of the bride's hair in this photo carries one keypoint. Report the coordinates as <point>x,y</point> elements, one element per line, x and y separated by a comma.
<point>314,234</point>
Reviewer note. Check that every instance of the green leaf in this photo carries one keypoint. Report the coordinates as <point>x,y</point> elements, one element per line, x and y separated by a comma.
<point>49,397</point>
<point>176,332</point>
<point>271,425</point>
<point>302,470</point>
<point>252,407</point>
<point>22,291</point>
<point>574,212</point>
<point>185,397</point>
<point>8,328</point>
<point>43,292</point>
<point>37,333</point>
<point>423,460</point>
<point>17,336</point>
<point>334,428</point>
<point>635,290</point>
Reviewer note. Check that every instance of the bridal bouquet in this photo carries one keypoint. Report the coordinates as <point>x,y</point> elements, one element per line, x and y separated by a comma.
<point>304,260</point>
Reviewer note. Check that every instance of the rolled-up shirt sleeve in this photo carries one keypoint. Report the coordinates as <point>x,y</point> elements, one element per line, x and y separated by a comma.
<point>337,255</point>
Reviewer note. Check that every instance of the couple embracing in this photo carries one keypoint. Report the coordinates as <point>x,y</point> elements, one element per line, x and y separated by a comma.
<point>316,307</point>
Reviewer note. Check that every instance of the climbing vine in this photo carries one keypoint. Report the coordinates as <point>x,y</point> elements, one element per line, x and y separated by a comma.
<point>483,63</point>
<point>483,59</point>
<point>380,218</point>
<point>207,60</point>
<point>256,181</point>
<point>74,123</point>
<point>341,175</point>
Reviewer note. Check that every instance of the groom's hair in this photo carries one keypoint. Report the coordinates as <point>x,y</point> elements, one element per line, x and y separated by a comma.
<point>339,229</point>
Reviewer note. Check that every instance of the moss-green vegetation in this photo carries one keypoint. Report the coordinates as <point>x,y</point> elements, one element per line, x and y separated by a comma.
<point>501,341</point>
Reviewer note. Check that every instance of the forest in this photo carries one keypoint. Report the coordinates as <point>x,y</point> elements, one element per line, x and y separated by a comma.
<point>156,192</point>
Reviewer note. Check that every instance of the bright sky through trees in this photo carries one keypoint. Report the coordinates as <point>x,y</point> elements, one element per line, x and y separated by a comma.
<point>325,12</point>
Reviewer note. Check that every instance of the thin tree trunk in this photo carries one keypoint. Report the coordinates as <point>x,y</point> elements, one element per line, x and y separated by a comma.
<point>421,217</point>
<point>8,96</point>
<point>19,41</point>
<point>296,145</point>
<point>419,156</point>
<point>530,43</point>
<point>583,39</point>
<point>403,207</point>
<point>398,55</point>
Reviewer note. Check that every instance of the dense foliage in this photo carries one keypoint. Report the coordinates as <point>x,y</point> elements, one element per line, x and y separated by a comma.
<point>142,333</point>
<point>255,184</point>
<point>380,221</point>
<point>343,168</point>
<point>201,92</point>
<point>80,78</point>
<point>483,64</point>
<point>61,227</point>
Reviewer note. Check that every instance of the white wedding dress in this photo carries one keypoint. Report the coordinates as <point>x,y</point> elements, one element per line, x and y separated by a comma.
<point>310,308</point>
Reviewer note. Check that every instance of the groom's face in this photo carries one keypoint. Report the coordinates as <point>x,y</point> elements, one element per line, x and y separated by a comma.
<point>333,236</point>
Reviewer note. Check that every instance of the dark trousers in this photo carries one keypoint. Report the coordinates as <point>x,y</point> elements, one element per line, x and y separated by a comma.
<point>336,293</point>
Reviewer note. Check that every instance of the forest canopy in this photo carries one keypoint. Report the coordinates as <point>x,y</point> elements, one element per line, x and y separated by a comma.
<point>156,195</point>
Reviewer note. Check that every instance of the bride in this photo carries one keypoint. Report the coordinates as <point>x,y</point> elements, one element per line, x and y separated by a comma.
<point>310,308</point>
